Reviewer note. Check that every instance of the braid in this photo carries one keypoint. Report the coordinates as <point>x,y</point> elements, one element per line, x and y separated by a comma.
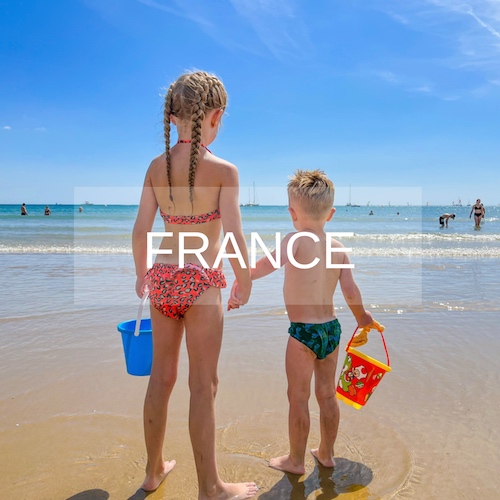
<point>166,124</point>
<point>189,99</point>
<point>197,118</point>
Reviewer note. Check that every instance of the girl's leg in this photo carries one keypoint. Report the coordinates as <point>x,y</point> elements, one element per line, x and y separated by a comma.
<point>167,337</point>
<point>299,369</point>
<point>204,322</point>
<point>329,413</point>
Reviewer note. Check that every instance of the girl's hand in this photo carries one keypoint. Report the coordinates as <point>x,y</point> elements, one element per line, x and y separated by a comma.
<point>234,301</point>
<point>140,286</point>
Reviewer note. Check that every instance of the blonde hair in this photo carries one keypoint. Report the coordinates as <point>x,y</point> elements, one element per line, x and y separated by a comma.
<point>313,190</point>
<point>190,98</point>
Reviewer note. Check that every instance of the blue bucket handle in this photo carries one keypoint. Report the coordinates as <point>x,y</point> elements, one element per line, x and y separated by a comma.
<point>139,313</point>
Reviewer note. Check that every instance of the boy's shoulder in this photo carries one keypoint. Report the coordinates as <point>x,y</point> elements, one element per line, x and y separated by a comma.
<point>333,242</point>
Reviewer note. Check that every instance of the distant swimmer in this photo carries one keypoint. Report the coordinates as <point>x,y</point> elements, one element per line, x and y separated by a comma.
<point>371,212</point>
<point>24,211</point>
<point>479,212</point>
<point>80,209</point>
<point>47,210</point>
<point>445,218</point>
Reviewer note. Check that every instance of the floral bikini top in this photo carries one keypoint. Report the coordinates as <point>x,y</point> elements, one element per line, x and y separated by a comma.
<point>190,219</point>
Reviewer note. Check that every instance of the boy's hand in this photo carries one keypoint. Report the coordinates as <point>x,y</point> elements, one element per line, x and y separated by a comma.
<point>362,337</point>
<point>234,302</point>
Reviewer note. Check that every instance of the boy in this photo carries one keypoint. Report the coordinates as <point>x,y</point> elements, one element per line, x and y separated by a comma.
<point>314,330</point>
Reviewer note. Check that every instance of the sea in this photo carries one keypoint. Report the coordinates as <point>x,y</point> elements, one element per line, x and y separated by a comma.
<point>68,409</point>
<point>390,231</point>
<point>399,244</point>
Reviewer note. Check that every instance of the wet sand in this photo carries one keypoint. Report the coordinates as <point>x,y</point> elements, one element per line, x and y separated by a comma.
<point>71,417</point>
<point>73,429</point>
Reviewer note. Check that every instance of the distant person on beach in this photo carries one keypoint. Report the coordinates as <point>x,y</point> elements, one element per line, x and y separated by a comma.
<point>24,210</point>
<point>47,210</point>
<point>195,191</point>
<point>314,329</point>
<point>479,212</point>
<point>445,218</point>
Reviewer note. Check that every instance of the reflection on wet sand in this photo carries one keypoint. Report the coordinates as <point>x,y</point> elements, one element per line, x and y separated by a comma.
<point>324,483</point>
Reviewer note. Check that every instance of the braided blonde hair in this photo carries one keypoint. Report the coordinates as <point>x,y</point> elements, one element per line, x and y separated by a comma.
<point>191,97</point>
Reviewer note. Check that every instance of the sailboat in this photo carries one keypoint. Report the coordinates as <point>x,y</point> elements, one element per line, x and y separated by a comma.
<point>250,203</point>
<point>350,204</point>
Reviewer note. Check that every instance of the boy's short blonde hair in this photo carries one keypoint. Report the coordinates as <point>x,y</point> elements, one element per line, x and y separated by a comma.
<point>313,190</point>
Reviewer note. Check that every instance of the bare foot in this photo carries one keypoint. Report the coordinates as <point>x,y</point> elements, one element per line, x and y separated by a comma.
<point>232,491</point>
<point>326,461</point>
<point>285,464</point>
<point>152,482</point>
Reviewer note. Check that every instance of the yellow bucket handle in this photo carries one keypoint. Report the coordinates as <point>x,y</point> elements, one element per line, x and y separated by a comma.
<point>362,337</point>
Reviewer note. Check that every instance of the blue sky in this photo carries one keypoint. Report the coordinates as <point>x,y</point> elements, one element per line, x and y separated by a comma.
<point>400,100</point>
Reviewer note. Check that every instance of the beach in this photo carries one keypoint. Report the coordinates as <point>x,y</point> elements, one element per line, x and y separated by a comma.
<point>71,417</point>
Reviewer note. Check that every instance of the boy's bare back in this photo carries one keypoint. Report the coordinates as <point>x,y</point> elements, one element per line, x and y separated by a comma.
<point>308,293</point>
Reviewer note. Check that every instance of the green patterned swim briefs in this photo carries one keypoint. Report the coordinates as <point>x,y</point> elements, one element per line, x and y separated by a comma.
<point>321,338</point>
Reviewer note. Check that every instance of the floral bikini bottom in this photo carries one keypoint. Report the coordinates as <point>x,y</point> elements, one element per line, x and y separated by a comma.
<point>173,289</point>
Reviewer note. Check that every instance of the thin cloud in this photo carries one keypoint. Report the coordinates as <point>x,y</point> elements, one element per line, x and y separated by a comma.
<point>239,24</point>
<point>398,17</point>
<point>277,24</point>
<point>425,89</point>
<point>482,23</point>
<point>7,127</point>
<point>40,129</point>
<point>468,31</point>
<point>191,12</point>
<point>387,76</point>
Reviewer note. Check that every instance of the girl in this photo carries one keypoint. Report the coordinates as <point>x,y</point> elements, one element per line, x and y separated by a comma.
<point>195,192</point>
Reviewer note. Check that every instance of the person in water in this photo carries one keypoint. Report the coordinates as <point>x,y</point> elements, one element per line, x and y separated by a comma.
<point>314,331</point>
<point>24,210</point>
<point>443,219</point>
<point>194,191</point>
<point>479,212</point>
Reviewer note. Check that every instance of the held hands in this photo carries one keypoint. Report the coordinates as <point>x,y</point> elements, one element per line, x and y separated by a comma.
<point>362,337</point>
<point>238,297</point>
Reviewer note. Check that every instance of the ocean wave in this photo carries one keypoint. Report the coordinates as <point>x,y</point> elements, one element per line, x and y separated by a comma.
<point>63,249</point>
<point>378,251</point>
<point>428,237</point>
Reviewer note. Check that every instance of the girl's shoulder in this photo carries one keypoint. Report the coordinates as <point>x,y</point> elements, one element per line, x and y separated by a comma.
<point>226,171</point>
<point>158,162</point>
<point>220,162</point>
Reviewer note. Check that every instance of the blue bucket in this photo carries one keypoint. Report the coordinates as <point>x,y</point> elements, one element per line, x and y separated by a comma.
<point>137,343</point>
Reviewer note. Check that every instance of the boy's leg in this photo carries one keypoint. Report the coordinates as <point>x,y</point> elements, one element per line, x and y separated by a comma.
<point>329,413</point>
<point>299,369</point>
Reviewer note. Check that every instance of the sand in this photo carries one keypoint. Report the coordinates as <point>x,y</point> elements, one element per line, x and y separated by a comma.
<point>71,417</point>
